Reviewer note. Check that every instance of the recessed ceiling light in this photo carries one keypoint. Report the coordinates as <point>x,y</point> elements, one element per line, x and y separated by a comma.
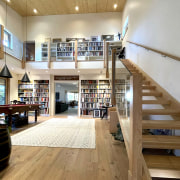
<point>77,8</point>
<point>115,6</point>
<point>35,11</point>
<point>8,1</point>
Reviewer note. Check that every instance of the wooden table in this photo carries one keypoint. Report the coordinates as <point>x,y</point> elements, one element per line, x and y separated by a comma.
<point>14,108</point>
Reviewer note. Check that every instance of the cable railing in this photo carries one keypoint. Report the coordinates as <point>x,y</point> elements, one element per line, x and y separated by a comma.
<point>157,51</point>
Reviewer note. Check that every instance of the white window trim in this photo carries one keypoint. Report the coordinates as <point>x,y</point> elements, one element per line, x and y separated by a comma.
<point>11,39</point>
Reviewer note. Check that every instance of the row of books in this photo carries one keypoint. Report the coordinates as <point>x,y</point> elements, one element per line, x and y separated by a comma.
<point>89,105</point>
<point>25,86</point>
<point>93,86</point>
<point>87,53</point>
<point>96,44</point>
<point>61,54</point>
<point>104,86</point>
<point>105,100</point>
<point>41,90</point>
<point>89,82</point>
<point>26,94</point>
<point>89,90</point>
<point>89,95</point>
<point>86,112</point>
<point>41,94</point>
<point>89,100</point>
<point>44,99</point>
<point>104,91</point>
<point>93,48</point>
<point>104,95</point>
<point>65,49</point>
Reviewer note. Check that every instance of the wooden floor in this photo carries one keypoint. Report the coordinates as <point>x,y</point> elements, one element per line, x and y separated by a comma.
<point>107,162</point>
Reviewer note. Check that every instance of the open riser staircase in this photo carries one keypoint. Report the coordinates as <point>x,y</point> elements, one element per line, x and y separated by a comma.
<point>156,105</point>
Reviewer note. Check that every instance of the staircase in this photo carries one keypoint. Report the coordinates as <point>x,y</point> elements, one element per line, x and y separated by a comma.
<point>160,166</point>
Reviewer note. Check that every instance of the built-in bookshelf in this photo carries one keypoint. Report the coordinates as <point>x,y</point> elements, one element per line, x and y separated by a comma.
<point>44,51</point>
<point>104,92</point>
<point>90,49</point>
<point>65,50</point>
<point>94,95</point>
<point>37,92</point>
<point>25,92</point>
<point>41,95</point>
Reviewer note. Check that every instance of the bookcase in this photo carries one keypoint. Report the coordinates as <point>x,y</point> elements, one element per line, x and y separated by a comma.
<point>90,50</point>
<point>25,92</point>
<point>104,92</point>
<point>44,51</point>
<point>41,95</point>
<point>37,92</point>
<point>65,50</point>
<point>94,94</point>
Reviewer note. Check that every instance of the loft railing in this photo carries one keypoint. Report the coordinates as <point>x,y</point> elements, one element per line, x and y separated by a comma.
<point>127,92</point>
<point>156,51</point>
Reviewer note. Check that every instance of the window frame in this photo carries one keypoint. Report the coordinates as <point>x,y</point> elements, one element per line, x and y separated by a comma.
<point>10,39</point>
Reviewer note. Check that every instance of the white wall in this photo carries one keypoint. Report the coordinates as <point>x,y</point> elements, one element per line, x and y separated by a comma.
<point>74,25</point>
<point>14,20</point>
<point>14,26</point>
<point>155,24</point>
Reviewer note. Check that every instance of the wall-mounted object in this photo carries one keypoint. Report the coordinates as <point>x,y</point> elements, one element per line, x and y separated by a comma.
<point>107,37</point>
<point>56,40</point>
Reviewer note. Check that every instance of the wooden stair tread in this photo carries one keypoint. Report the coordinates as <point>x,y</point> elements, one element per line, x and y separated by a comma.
<point>161,142</point>
<point>157,94</point>
<point>160,112</point>
<point>149,87</point>
<point>160,124</point>
<point>145,82</point>
<point>162,162</point>
<point>156,102</point>
<point>163,166</point>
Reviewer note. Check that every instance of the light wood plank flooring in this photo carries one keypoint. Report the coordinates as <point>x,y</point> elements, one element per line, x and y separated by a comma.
<point>107,162</point>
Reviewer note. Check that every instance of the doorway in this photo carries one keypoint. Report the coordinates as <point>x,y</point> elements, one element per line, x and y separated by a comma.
<point>66,98</point>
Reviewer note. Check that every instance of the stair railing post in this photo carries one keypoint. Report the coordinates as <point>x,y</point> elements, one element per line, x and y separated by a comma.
<point>135,159</point>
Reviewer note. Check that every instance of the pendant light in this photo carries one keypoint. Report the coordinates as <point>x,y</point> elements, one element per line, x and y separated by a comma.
<point>5,71</point>
<point>25,77</point>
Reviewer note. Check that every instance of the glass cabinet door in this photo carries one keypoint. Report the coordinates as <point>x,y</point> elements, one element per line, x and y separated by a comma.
<point>2,91</point>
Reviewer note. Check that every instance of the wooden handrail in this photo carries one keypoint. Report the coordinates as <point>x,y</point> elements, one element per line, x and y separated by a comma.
<point>157,51</point>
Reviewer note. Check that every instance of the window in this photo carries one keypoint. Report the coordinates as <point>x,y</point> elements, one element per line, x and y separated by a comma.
<point>125,27</point>
<point>2,91</point>
<point>72,96</point>
<point>7,39</point>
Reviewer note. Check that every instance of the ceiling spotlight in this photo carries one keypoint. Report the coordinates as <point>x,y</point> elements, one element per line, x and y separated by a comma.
<point>35,11</point>
<point>77,8</point>
<point>8,1</point>
<point>115,6</point>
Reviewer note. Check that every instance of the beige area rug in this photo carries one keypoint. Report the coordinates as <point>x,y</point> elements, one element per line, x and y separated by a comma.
<point>57,132</point>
